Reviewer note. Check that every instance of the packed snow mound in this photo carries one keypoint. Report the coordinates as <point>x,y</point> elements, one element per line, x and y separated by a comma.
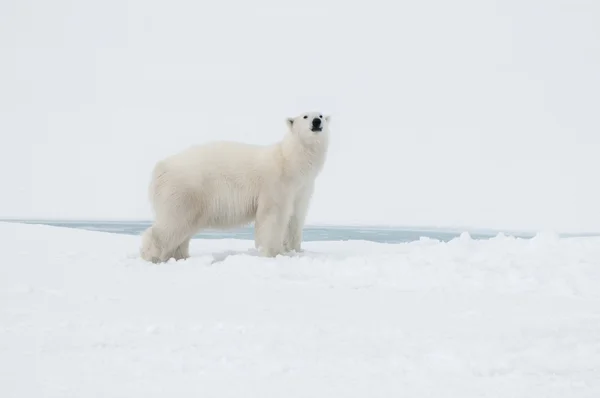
<point>82,316</point>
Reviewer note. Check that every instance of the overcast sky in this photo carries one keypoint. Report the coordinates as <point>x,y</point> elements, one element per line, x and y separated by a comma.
<point>470,112</point>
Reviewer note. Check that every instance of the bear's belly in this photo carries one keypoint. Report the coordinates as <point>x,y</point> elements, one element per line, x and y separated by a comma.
<point>229,206</point>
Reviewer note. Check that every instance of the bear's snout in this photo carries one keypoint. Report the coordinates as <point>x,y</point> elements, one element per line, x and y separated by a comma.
<point>316,124</point>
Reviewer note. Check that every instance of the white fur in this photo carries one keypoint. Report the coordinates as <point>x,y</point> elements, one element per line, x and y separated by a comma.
<point>230,184</point>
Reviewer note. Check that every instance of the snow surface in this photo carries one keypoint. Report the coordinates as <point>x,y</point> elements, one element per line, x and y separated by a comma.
<point>82,316</point>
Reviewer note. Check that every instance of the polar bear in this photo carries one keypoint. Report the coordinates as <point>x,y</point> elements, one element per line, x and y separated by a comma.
<point>228,184</point>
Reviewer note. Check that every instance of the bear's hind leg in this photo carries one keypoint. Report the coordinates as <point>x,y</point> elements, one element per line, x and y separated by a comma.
<point>150,249</point>
<point>182,251</point>
<point>178,217</point>
<point>174,240</point>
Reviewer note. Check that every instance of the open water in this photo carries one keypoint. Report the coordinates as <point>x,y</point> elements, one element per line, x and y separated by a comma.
<point>311,233</point>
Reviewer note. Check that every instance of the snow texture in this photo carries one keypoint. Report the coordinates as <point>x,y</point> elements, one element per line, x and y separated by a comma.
<point>82,316</point>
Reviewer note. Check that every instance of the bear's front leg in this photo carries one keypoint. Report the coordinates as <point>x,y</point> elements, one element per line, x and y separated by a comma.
<point>293,233</point>
<point>271,222</point>
<point>293,236</point>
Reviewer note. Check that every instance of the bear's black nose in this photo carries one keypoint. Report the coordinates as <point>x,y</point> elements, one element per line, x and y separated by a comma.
<point>316,122</point>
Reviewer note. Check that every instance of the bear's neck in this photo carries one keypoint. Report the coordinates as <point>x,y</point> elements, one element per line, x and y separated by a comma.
<point>301,157</point>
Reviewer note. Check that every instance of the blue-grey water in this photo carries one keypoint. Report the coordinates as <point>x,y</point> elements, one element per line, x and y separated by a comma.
<point>311,233</point>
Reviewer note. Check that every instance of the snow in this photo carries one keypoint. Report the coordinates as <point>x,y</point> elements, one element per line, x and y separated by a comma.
<point>82,316</point>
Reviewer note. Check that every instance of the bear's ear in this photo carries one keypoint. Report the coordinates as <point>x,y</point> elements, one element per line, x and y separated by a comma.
<point>290,122</point>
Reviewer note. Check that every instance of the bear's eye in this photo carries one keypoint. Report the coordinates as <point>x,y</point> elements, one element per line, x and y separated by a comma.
<point>321,116</point>
<point>306,117</point>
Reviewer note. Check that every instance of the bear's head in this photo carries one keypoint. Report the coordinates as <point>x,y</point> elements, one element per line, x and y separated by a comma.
<point>309,126</point>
